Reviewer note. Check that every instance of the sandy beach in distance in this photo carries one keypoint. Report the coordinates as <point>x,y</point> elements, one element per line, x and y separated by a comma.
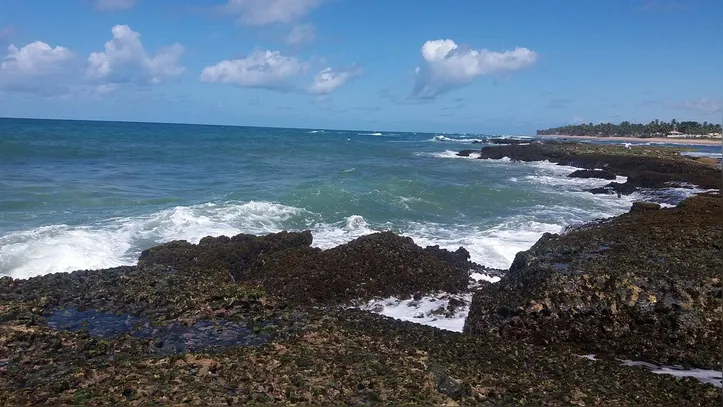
<point>691,141</point>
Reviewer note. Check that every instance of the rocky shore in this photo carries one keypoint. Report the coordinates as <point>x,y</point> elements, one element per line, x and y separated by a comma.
<point>271,320</point>
<point>643,166</point>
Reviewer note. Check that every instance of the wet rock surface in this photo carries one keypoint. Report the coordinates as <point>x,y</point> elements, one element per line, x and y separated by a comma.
<point>377,265</point>
<point>645,285</point>
<point>644,166</point>
<point>644,206</point>
<point>600,174</point>
<point>265,320</point>
<point>235,255</point>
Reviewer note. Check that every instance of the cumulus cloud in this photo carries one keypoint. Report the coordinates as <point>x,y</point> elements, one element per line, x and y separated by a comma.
<point>36,67</point>
<point>301,34</point>
<point>272,70</point>
<point>328,80</point>
<point>126,60</point>
<point>261,69</point>
<point>263,12</point>
<point>113,5</point>
<point>36,58</point>
<point>448,66</point>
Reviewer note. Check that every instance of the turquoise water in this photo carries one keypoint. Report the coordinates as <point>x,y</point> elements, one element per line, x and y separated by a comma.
<point>77,195</point>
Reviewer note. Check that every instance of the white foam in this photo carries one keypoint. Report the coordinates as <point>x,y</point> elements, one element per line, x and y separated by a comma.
<point>473,155</point>
<point>494,247</point>
<point>422,311</point>
<point>449,154</point>
<point>484,277</point>
<point>463,140</point>
<point>714,377</point>
<point>370,134</point>
<point>116,242</point>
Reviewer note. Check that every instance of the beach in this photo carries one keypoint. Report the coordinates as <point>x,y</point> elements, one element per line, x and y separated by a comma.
<point>691,141</point>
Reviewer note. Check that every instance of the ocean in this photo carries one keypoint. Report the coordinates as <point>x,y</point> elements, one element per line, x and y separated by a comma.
<point>87,195</point>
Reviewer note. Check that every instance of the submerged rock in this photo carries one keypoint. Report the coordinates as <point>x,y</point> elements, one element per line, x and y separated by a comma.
<point>600,174</point>
<point>644,285</point>
<point>467,153</point>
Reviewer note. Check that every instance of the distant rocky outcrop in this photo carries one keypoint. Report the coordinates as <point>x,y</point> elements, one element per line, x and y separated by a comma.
<point>644,166</point>
<point>600,174</point>
<point>645,285</point>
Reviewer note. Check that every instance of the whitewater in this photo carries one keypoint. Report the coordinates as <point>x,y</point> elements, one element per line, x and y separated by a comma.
<point>87,195</point>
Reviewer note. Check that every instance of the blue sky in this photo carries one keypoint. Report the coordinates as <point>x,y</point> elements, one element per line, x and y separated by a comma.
<point>454,66</point>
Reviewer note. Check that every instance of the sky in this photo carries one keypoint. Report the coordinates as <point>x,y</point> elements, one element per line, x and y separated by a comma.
<point>472,66</point>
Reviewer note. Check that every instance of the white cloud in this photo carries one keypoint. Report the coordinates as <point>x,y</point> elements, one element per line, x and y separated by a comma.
<point>125,60</point>
<point>36,58</point>
<point>261,69</point>
<point>36,68</point>
<point>263,12</point>
<point>111,5</point>
<point>301,34</point>
<point>272,70</point>
<point>448,66</point>
<point>327,80</point>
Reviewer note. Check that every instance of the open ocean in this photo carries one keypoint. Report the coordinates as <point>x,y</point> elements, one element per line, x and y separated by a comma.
<point>86,195</point>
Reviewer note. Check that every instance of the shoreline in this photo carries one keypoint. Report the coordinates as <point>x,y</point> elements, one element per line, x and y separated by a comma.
<point>702,142</point>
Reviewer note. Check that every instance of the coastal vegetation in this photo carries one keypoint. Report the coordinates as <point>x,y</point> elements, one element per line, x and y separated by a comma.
<point>655,128</point>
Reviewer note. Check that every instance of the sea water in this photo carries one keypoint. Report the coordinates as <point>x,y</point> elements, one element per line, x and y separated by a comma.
<point>87,195</point>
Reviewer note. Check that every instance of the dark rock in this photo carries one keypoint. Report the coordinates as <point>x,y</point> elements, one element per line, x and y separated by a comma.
<point>602,191</point>
<point>376,265</point>
<point>507,141</point>
<point>234,255</point>
<point>458,259</point>
<point>641,286</point>
<point>152,334</point>
<point>467,153</point>
<point>601,174</point>
<point>644,166</point>
<point>645,206</point>
<point>446,384</point>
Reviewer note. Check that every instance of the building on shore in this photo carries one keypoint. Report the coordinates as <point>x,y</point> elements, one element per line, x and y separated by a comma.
<point>677,134</point>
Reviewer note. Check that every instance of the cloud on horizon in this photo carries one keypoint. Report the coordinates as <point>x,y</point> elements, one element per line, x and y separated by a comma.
<point>271,70</point>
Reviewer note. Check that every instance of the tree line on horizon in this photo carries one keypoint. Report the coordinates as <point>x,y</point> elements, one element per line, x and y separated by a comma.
<point>655,128</point>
